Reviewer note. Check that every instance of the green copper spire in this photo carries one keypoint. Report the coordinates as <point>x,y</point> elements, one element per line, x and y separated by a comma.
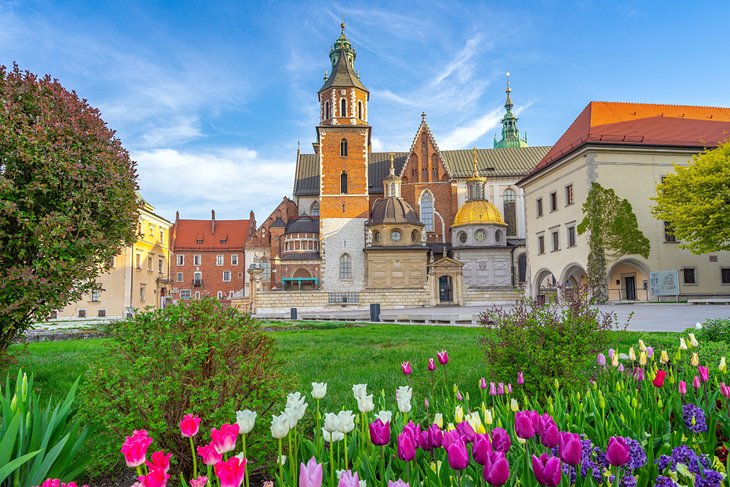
<point>510,133</point>
<point>342,44</point>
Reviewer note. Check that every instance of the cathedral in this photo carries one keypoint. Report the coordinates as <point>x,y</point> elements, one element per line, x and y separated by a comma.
<point>446,226</point>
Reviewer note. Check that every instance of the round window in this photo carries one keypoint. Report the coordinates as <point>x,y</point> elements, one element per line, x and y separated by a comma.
<point>462,237</point>
<point>395,235</point>
<point>414,236</point>
<point>497,236</point>
<point>480,235</point>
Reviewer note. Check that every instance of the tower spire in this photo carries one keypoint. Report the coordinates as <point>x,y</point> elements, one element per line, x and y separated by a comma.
<point>510,133</point>
<point>476,172</point>
<point>508,103</point>
<point>392,164</point>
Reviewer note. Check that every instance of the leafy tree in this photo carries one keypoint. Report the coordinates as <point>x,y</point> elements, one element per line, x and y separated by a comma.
<point>67,199</point>
<point>614,231</point>
<point>694,201</point>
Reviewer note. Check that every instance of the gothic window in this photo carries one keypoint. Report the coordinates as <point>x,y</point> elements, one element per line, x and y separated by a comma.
<point>343,147</point>
<point>343,107</point>
<point>510,214</point>
<point>327,110</point>
<point>343,183</point>
<point>314,209</point>
<point>426,207</point>
<point>345,266</point>
<point>359,110</point>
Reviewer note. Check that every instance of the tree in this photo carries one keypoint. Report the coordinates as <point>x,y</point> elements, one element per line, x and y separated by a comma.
<point>614,231</point>
<point>68,199</point>
<point>695,201</point>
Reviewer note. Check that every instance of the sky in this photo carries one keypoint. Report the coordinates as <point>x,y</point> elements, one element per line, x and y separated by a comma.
<point>211,98</point>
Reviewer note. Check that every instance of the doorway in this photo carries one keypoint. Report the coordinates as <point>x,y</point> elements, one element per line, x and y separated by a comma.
<point>630,284</point>
<point>446,289</point>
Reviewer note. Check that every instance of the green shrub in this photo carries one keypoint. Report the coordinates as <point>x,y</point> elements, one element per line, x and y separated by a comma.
<point>556,340</point>
<point>714,330</point>
<point>197,357</point>
<point>38,442</point>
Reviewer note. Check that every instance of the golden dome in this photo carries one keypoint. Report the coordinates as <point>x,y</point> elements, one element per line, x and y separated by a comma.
<point>478,211</point>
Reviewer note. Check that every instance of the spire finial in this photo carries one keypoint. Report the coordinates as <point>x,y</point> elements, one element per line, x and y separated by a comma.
<point>392,164</point>
<point>423,116</point>
<point>342,25</point>
<point>326,75</point>
<point>476,173</point>
<point>508,86</point>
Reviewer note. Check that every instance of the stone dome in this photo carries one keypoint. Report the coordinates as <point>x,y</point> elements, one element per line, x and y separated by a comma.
<point>303,224</point>
<point>393,210</point>
<point>478,212</point>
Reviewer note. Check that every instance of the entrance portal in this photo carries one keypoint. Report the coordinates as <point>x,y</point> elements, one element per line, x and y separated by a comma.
<point>446,289</point>
<point>630,284</point>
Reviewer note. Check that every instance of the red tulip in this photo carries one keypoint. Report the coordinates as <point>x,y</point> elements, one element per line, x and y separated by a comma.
<point>523,425</point>
<point>443,357</point>
<point>547,470</point>
<point>659,379</point>
<point>209,454</point>
<point>501,440</point>
<point>231,473</point>
<point>135,447</point>
<point>496,469</point>
<point>189,425</point>
<point>570,448</point>
<point>458,456</point>
<point>481,449</point>
<point>379,432</point>
<point>224,440</point>
<point>617,451</point>
<point>406,368</point>
<point>155,478</point>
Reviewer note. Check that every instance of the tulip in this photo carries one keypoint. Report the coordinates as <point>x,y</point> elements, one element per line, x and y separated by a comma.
<point>279,426</point>
<point>481,449</point>
<point>570,448</point>
<point>160,461</point>
<point>209,454</point>
<point>457,455</point>
<point>547,470</point>
<point>659,379</point>
<point>632,354</point>
<point>431,365</point>
<point>682,344</point>
<point>501,440</point>
<point>693,341</point>
<point>500,389</point>
<point>601,360</point>
<point>466,431</point>
<point>245,420</point>
<point>723,366</point>
<point>617,451</point>
<point>482,383</point>
<point>704,373</point>
<point>331,422</point>
<point>496,469</point>
<point>435,436</point>
<point>385,416</point>
<point>310,475</point>
<point>379,433</point>
<point>425,403</point>
<point>650,352</point>
<point>725,390</point>
<point>406,368</point>
<point>642,347</point>
<point>459,414</point>
<point>438,420</point>
<point>189,425</point>
<point>614,360</point>
<point>642,358</point>
<point>345,422</point>
<point>492,389</point>
<point>682,387</point>
<point>695,360</point>
<point>319,390</point>
<point>696,383</point>
<point>523,425</point>
<point>332,437</point>
<point>550,436</point>
<point>639,374</point>
<point>520,378</point>
<point>475,421</point>
<point>459,397</point>
<point>406,447</point>
<point>487,414</point>
<point>664,358</point>
<point>230,473</point>
<point>397,483</point>
<point>620,368</point>
<point>135,447</point>
<point>349,479</point>
<point>155,478</point>
<point>403,398</point>
<point>365,403</point>
<point>509,388</point>
<point>201,481</point>
<point>513,405</point>
<point>443,357</point>
<point>450,436</point>
<point>359,390</point>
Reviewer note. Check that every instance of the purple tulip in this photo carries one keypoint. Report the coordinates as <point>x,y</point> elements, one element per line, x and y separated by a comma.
<point>601,360</point>
<point>611,351</point>
<point>459,397</point>
<point>435,436</point>
<point>509,388</point>
<point>431,365</point>
<point>501,440</point>
<point>649,352</point>
<point>449,437</point>
<point>547,470</point>
<point>617,451</point>
<point>310,475</point>
<point>496,469</point>
<point>458,456</point>
<point>443,357</point>
<point>550,435</point>
<point>379,432</point>
<point>500,389</point>
<point>406,446</point>
<point>492,389</point>
<point>481,449</point>
<point>523,425</point>
<point>696,383</point>
<point>398,483</point>
<point>570,448</point>
<point>406,368</point>
<point>423,441</point>
<point>482,383</point>
<point>620,367</point>
<point>349,479</point>
<point>466,431</point>
<point>639,374</point>
<point>704,373</point>
<point>682,387</point>
<point>520,378</point>
<point>413,430</point>
<point>541,422</point>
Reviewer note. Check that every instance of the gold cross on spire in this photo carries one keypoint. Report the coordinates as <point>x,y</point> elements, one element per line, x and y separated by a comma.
<point>476,173</point>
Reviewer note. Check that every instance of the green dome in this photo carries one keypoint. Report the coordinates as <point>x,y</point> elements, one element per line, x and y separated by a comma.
<point>342,44</point>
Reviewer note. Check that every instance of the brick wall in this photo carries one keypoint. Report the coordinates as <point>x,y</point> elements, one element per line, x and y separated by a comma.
<point>212,274</point>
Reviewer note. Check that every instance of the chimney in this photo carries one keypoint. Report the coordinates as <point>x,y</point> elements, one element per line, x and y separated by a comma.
<point>177,216</point>
<point>212,221</point>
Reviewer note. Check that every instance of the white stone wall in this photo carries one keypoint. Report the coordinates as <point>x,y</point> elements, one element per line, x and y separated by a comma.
<point>249,257</point>
<point>339,236</point>
<point>485,267</point>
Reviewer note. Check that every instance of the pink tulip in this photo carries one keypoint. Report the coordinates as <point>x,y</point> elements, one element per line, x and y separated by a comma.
<point>696,383</point>
<point>501,440</point>
<point>135,447</point>
<point>725,390</point>
<point>509,388</point>
<point>398,483</point>
<point>649,352</point>
<point>160,460</point>
<point>520,378</point>
<point>58,483</point>
<point>481,449</point>
<point>209,454</point>
<point>425,402</point>
<point>413,430</point>
<point>379,433</point>
<point>443,357</point>
<point>201,481</point>
<point>500,389</point>
<point>189,425</point>
<point>547,470</point>
<point>406,446</point>
<point>496,469</point>
<point>431,365</point>
<point>482,383</point>
<point>492,389</point>
<point>458,455</point>
<point>639,374</point>
<point>611,351</point>
<point>231,472</point>
<point>617,451</point>
<point>406,368</point>
<point>349,479</point>
<point>570,448</point>
<point>523,425</point>
<point>310,475</point>
<point>550,435</point>
<point>682,387</point>
<point>459,397</point>
<point>620,367</point>
<point>601,360</point>
<point>704,373</point>
<point>155,478</point>
<point>224,440</point>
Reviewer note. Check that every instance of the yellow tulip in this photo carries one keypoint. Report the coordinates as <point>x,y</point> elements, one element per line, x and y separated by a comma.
<point>695,360</point>
<point>693,341</point>
<point>459,414</point>
<point>450,427</point>
<point>488,416</point>
<point>632,354</point>
<point>438,420</point>
<point>475,421</point>
<point>723,366</point>
<point>682,344</point>
<point>664,357</point>
<point>514,406</point>
<point>642,358</point>
<point>614,359</point>
<point>642,347</point>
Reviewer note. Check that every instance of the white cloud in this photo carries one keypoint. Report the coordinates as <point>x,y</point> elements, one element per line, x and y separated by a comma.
<point>467,134</point>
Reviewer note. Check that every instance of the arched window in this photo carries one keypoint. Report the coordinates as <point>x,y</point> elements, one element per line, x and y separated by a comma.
<point>343,107</point>
<point>327,110</point>
<point>521,268</point>
<point>343,184</point>
<point>426,207</point>
<point>359,110</point>
<point>510,214</point>
<point>314,209</point>
<point>343,147</point>
<point>345,266</point>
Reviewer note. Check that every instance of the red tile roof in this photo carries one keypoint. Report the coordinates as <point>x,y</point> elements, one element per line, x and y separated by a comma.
<point>641,124</point>
<point>229,234</point>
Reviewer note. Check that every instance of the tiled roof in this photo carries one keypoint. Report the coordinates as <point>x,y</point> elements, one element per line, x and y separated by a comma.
<point>343,75</point>
<point>638,124</point>
<point>189,232</point>
<point>508,162</point>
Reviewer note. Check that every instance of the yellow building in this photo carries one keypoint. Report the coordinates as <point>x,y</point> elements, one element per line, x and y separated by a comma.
<point>138,277</point>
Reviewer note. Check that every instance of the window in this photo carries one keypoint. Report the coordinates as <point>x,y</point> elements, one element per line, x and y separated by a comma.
<point>180,260</point>
<point>343,148</point>
<point>510,213</point>
<point>196,259</point>
<point>95,295</point>
<point>197,294</point>
<point>669,233</point>
<point>480,235</point>
<point>219,259</point>
<point>343,107</point>
<point>234,259</point>
<point>226,276</point>
<point>138,261</point>
<point>359,110</point>
<point>553,201</point>
<point>556,241</point>
<point>395,236</point>
<point>142,291</point>
<point>160,265</point>
<point>725,275</point>
<point>314,209</point>
<point>162,235</point>
<point>541,244</point>
<point>152,230</point>
<point>343,183</point>
<point>185,294</point>
<point>82,313</point>
<point>179,277</point>
<point>690,276</point>
<point>220,295</point>
<point>569,195</point>
<point>327,110</point>
<point>571,236</point>
<point>101,313</point>
<point>426,208</point>
<point>197,278</point>
<point>376,236</point>
<point>539,207</point>
<point>149,261</point>
<point>462,237</point>
<point>345,266</point>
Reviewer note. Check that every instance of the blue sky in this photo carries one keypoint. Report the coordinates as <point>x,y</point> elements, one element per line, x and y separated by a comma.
<point>210,98</point>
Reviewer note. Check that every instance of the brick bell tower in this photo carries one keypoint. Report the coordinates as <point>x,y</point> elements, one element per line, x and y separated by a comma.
<point>343,143</point>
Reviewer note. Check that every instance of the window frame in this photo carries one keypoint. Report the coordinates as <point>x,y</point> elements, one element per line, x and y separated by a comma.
<point>234,259</point>
<point>422,215</point>
<point>186,292</point>
<point>345,267</point>
<point>572,236</point>
<point>540,209</point>
<point>343,183</point>
<point>220,260</point>
<point>555,240</point>
<point>569,195</point>
<point>695,280</point>
<point>180,259</point>
<point>197,260</point>
<point>541,244</point>
<point>179,277</point>
<point>230,276</point>
<point>553,201</point>
<point>722,277</point>
<point>343,107</point>
<point>344,149</point>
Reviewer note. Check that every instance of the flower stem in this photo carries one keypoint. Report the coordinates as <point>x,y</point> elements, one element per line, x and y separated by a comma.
<point>382,466</point>
<point>281,467</point>
<point>332,465</point>
<point>243,440</point>
<point>291,461</point>
<point>195,459</point>
<point>347,464</point>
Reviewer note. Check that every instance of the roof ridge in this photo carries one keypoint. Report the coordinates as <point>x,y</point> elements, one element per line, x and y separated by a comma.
<point>424,123</point>
<point>658,104</point>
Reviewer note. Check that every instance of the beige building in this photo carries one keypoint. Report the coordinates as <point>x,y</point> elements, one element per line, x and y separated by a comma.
<point>629,148</point>
<point>138,278</point>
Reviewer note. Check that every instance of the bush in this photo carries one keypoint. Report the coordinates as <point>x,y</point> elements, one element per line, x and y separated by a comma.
<point>557,340</point>
<point>197,357</point>
<point>715,330</point>
<point>38,442</point>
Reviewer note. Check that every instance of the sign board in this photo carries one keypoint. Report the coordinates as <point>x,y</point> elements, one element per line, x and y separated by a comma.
<point>664,283</point>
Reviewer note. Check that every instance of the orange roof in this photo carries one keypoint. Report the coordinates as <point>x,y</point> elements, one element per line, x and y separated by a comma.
<point>647,124</point>
<point>198,235</point>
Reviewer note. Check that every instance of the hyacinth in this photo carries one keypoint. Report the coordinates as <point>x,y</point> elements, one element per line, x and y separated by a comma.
<point>710,478</point>
<point>662,481</point>
<point>628,481</point>
<point>686,455</point>
<point>637,455</point>
<point>694,418</point>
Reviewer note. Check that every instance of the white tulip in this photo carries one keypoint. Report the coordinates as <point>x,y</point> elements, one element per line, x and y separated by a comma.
<point>282,460</point>
<point>404,393</point>
<point>332,437</point>
<point>279,426</point>
<point>682,344</point>
<point>385,416</point>
<point>438,420</point>
<point>363,483</point>
<point>295,399</point>
<point>319,390</point>
<point>404,406</point>
<point>246,420</point>
<point>693,341</point>
<point>331,422</point>
<point>365,403</point>
<point>359,390</point>
<point>346,421</point>
<point>698,325</point>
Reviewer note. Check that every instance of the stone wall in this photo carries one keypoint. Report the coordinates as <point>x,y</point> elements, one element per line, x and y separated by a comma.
<point>340,236</point>
<point>487,296</point>
<point>268,302</point>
